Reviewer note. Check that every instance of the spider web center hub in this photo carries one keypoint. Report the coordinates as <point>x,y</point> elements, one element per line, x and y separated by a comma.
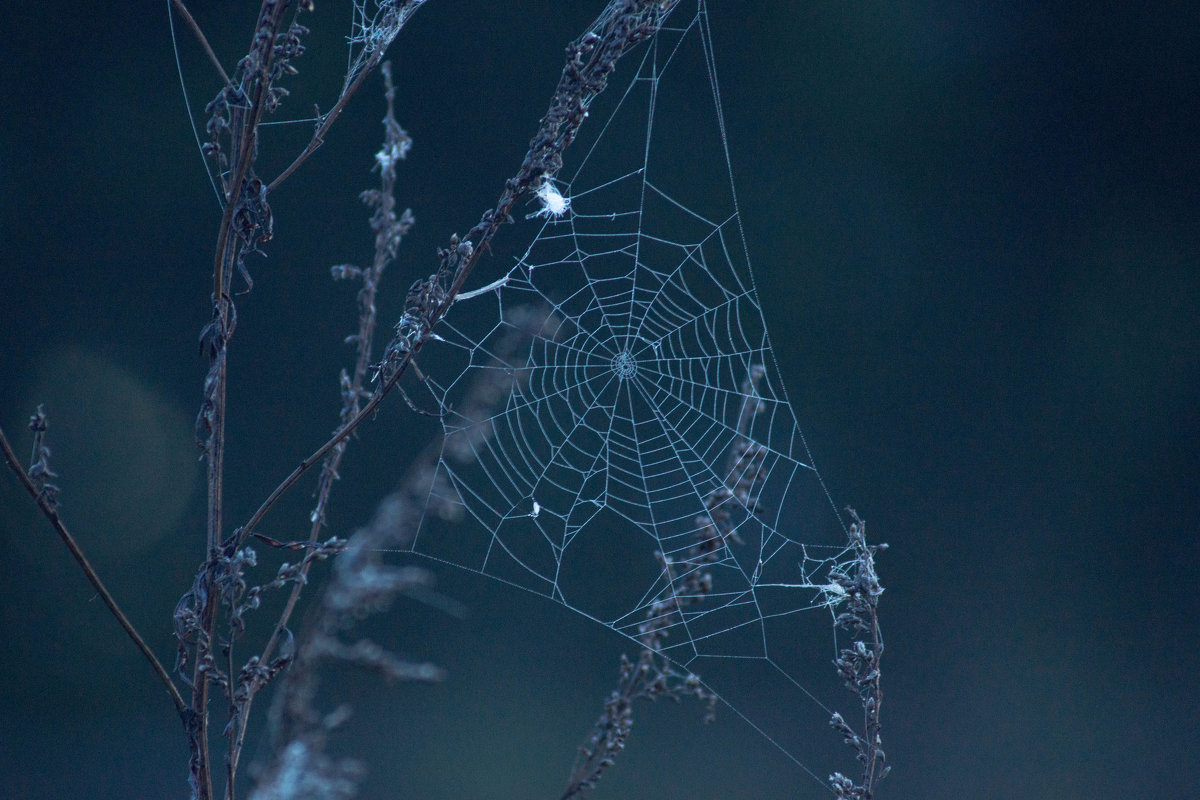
<point>625,365</point>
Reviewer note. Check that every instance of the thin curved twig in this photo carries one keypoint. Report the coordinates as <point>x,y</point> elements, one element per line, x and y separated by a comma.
<point>51,514</point>
<point>195,27</point>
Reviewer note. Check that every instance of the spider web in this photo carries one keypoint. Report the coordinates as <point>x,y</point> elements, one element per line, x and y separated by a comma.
<point>617,431</point>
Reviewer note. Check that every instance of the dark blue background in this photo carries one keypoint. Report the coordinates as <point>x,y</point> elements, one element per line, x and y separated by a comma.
<point>976,243</point>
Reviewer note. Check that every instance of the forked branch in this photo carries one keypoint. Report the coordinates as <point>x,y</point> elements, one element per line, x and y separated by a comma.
<point>590,60</point>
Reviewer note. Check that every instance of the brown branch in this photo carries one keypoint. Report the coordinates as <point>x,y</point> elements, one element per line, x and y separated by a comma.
<point>89,572</point>
<point>318,137</point>
<point>187,17</point>
<point>378,49</point>
<point>244,138</point>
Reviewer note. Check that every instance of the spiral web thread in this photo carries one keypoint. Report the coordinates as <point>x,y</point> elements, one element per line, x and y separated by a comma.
<point>642,454</point>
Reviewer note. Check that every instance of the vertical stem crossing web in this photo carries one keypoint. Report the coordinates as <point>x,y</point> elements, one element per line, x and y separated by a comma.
<point>641,430</point>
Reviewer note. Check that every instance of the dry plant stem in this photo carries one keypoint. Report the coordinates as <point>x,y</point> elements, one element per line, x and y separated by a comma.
<point>191,22</point>
<point>269,20</point>
<point>89,572</point>
<point>246,134</point>
<point>858,663</point>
